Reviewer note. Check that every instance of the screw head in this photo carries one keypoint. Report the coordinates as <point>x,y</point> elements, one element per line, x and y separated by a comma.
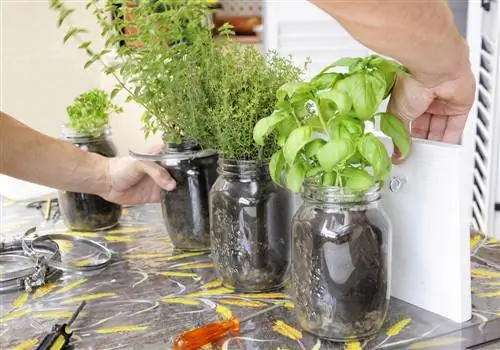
<point>396,184</point>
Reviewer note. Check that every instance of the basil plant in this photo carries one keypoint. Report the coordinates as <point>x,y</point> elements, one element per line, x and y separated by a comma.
<point>320,126</point>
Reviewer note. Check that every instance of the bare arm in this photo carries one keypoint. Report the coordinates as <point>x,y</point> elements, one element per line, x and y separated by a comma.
<point>421,34</point>
<point>31,156</point>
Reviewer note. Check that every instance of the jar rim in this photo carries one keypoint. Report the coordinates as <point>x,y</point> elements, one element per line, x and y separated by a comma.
<point>68,132</point>
<point>340,194</point>
<point>243,167</point>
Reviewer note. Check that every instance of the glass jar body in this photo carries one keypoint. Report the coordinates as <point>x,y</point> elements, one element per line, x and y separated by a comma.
<point>341,261</point>
<point>83,211</point>
<point>250,227</point>
<point>185,210</point>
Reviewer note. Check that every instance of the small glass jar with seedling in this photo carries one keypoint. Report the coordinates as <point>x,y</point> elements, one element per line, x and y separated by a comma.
<point>341,236</point>
<point>88,129</point>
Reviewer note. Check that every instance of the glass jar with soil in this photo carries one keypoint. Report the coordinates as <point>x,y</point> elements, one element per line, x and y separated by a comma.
<point>185,210</point>
<point>250,227</point>
<point>341,260</point>
<point>83,211</point>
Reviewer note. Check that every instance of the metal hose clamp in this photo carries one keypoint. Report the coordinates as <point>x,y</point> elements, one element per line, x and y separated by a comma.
<point>29,249</point>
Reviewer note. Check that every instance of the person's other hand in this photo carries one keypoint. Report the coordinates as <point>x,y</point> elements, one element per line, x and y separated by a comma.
<point>436,113</point>
<point>132,181</point>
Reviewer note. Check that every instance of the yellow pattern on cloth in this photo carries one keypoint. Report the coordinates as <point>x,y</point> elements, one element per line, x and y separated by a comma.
<point>44,290</point>
<point>224,311</point>
<point>144,256</point>
<point>88,297</point>
<point>56,314</point>
<point>217,291</point>
<point>353,345</point>
<point>181,256</point>
<point>213,284</point>
<point>474,241</point>
<point>184,301</point>
<point>485,274</point>
<point>398,327</point>
<point>121,239</point>
<point>71,286</point>
<point>20,301</point>
<point>265,296</point>
<point>242,303</point>
<point>26,345</point>
<point>178,274</point>
<point>64,246</point>
<point>15,314</point>
<point>432,344</point>
<point>286,330</point>
<point>121,329</point>
<point>489,294</point>
<point>194,265</point>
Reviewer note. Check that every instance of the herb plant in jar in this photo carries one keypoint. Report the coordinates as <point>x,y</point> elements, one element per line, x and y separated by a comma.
<point>341,247</point>
<point>163,69</point>
<point>250,216</point>
<point>88,129</point>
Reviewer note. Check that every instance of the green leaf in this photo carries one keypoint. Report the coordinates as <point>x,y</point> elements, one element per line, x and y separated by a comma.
<point>84,45</point>
<point>375,153</point>
<point>366,91</point>
<point>345,127</point>
<point>334,152</point>
<point>314,171</point>
<point>329,178</point>
<point>388,70</point>
<point>393,127</point>
<point>340,99</point>
<point>292,89</point>
<point>285,127</point>
<point>315,124</point>
<point>312,147</point>
<point>343,62</point>
<point>114,92</point>
<point>266,125</point>
<point>295,177</point>
<point>357,179</point>
<point>324,81</point>
<point>297,139</point>
<point>64,14</point>
<point>72,32</point>
<point>276,165</point>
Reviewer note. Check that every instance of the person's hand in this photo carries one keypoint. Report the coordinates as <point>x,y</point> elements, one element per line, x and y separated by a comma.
<point>136,182</point>
<point>436,113</point>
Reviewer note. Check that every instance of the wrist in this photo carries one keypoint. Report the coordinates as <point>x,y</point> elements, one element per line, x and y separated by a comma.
<point>98,181</point>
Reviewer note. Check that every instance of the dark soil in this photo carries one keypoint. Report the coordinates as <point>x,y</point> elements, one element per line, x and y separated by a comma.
<point>340,273</point>
<point>186,209</point>
<point>251,239</point>
<point>88,212</point>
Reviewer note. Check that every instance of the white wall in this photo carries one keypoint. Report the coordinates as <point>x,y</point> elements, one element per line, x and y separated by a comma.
<point>40,75</point>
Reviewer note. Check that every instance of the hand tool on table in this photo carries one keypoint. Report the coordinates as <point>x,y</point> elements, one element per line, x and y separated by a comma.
<point>61,334</point>
<point>198,337</point>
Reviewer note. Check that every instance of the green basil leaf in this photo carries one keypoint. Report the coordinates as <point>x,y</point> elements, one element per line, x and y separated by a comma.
<point>285,127</point>
<point>295,177</point>
<point>334,152</point>
<point>315,124</point>
<point>266,125</point>
<point>297,139</point>
<point>276,165</point>
<point>292,89</point>
<point>314,171</point>
<point>388,69</point>
<point>393,127</point>
<point>329,178</point>
<point>312,147</point>
<point>357,179</point>
<point>340,99</point>
<point>324,81</point>
<point>345,127</point>
<point>343,62</point>
<point>301,108</point>
<point>366,91</point>
<point>356,158</point>
<point>375,153</point>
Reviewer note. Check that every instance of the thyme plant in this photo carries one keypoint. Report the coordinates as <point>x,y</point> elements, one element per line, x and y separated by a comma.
<point>335,104</point>
<point>90,111</point>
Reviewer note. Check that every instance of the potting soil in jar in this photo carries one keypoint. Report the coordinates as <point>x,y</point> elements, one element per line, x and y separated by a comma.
<point>83,211</point>
<point>341,263</point>
<point>185,210</point>
<point>250,227</point>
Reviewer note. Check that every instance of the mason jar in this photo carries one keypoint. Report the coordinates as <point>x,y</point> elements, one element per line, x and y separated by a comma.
<point>83,211</point>
<point>250,220</point>
<point>185,210</point>
<point>341,262</point>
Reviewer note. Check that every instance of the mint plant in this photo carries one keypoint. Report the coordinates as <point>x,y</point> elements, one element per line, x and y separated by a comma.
<point>90,111</point>
<point>335,104</point>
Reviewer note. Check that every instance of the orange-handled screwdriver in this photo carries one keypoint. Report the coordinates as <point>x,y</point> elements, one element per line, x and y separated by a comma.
<point>198,337</point>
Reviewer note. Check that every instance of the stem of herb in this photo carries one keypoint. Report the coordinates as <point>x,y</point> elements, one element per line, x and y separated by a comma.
<point>323,124</point>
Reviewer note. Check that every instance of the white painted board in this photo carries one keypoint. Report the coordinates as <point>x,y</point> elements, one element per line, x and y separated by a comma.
<point>430,223</point>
